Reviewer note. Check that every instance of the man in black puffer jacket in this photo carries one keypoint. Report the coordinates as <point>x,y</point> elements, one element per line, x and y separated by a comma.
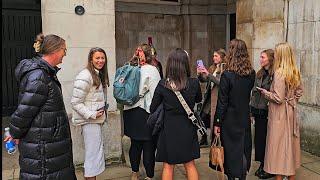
<point>40,121</point>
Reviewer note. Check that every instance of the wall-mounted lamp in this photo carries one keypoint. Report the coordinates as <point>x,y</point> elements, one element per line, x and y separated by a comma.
<point>79,10</point>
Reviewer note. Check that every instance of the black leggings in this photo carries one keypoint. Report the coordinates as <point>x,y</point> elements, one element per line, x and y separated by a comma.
<point>148,148</point>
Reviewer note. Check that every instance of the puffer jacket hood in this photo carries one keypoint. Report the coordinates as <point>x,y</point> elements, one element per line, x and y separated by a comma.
<point>28,65</point>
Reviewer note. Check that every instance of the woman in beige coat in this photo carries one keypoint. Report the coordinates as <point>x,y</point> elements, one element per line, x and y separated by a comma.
<point>282,155</point>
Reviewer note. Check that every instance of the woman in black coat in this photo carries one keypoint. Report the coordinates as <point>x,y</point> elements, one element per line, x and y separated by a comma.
<point>232,113</point>
<point>40,121</point>
<point>178,141</point>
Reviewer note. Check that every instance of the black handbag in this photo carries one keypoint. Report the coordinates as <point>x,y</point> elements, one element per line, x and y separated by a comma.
<point>155,120</point>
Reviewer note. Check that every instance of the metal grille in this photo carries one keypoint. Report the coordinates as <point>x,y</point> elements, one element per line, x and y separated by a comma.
<point>21,22</point>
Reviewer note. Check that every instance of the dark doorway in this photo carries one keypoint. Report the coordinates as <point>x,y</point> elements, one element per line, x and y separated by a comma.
<point>233,26</point>
<point>21,22</point>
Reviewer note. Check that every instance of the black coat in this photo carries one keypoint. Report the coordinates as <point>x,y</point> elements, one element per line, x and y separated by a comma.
<point>41,123</point>
<point>178,140</point>
<point>232,115</point>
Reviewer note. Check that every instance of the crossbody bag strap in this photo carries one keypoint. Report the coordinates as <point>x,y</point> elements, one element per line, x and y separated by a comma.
<point>185,106</point>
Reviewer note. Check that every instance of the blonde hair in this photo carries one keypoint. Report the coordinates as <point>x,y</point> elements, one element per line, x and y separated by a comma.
<point>285,64</point>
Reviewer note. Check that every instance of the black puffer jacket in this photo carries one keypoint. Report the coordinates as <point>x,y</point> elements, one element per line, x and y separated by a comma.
<point>41,124</point>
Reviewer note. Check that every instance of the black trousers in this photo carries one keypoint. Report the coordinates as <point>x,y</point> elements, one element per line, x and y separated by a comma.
<point>261,123</point>
<point>148,149</point>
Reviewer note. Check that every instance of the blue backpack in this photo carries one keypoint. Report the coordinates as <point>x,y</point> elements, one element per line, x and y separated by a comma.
<point>126,85</point>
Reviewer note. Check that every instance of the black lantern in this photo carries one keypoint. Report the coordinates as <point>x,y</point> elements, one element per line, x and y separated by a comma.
<point>79,10</point>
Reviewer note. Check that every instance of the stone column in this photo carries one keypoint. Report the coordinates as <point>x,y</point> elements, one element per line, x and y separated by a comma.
<point>95,28</point>
<point>261,25</point>
<point>304,36</point>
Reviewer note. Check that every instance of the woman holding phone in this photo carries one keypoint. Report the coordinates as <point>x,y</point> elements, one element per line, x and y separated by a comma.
<point>212,78</point>
<point>89,110</point>
<point>259,109</point>
<point>283,156</point>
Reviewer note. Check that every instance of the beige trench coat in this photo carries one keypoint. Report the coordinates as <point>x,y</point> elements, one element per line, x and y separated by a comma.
<point>282,154</point>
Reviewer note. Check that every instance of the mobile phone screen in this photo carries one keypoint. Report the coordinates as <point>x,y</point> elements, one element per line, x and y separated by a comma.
<point>200,63</point>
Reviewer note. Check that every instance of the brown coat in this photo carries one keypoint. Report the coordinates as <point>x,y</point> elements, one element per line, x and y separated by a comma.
<point>283,138</point>
<point>214,93</point>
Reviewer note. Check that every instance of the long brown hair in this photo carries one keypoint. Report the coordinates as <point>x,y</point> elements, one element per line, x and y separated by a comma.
<point>177,69</point>
<point>222,54</point>
<point>238,58</point>
<point>103,76</point>
<point>48,44</point>
<point>270,56</point>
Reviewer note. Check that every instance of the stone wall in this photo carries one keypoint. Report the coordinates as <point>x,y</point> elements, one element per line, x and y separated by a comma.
<point>197,26</point>
<point>260,27</point>
<point>135,28</point>
<point>295,21</point>
<point>304,36</point>
<point>95,28</point>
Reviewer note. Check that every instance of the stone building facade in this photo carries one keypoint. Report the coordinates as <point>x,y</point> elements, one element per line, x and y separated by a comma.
<point>263,24</point>
<point>199,26</point>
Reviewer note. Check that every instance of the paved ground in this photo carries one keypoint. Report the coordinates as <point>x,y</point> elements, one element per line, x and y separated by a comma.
<point>310,169</point>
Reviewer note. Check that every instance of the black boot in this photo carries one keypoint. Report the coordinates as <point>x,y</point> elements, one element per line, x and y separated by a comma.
<point>204,141</point>
<point>260,169</point>
<point>265,175</point>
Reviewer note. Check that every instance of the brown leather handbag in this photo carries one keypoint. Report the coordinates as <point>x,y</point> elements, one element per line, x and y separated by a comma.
<point>217,155</point>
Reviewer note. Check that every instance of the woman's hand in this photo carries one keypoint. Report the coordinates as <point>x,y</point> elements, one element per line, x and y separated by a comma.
<point>216,130</point>
<point>263,91</point>
<point>99,113</point>
<point>16,141</point>
<point>203,71</point>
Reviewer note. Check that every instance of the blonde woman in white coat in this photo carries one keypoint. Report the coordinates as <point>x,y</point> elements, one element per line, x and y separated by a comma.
<point>89,111</point>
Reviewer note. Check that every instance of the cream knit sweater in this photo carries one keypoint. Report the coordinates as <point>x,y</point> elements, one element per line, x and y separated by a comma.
<point>149,79</point>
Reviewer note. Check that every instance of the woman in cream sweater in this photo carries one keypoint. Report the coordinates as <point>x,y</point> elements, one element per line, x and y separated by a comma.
<point>89,110</point>
<point>135,116</point>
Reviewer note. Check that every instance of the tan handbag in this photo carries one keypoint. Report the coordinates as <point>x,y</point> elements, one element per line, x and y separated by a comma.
<point>217,155</point>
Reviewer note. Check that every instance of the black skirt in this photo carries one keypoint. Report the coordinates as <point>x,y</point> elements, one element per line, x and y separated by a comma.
<point>135,124</point>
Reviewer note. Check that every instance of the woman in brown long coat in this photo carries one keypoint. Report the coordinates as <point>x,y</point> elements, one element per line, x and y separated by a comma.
<point>282,155</point>
<point>212,77</point>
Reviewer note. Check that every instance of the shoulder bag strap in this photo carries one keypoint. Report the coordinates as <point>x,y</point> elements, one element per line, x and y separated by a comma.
<point>185,106</point>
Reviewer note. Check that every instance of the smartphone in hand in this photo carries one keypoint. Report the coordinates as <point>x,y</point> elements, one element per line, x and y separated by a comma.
<point>200,63</point>
<point>259,88</point>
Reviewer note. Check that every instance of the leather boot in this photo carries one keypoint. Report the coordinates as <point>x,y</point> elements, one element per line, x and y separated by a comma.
<point>259,170</point>
<point>265,175</point>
